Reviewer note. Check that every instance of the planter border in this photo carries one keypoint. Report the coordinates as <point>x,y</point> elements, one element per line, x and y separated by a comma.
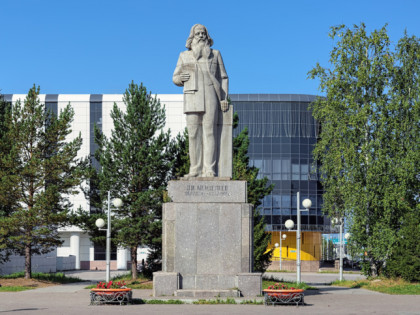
<point>284,296</point>
<point>102,296</point>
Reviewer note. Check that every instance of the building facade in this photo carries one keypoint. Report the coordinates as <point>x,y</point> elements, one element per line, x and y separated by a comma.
<point>282,134</point>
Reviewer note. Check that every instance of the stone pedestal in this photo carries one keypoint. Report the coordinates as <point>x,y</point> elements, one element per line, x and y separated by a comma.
<point>207,240</point>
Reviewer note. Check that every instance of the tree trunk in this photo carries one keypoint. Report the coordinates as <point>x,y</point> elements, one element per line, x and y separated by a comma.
<point>133,263</point>
<point>373,267</point>
<point>28,261</point>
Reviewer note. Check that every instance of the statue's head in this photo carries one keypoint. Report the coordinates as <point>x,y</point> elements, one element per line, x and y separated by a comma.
<point>197,31</point>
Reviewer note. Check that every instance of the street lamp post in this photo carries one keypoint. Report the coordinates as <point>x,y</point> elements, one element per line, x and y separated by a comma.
<point>307,203</point>
<point>277,246</point>
<point>117,202</point>
<point>282,237</point>
<point>340,251</point>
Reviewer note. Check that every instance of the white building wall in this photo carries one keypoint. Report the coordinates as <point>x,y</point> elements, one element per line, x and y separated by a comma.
<point>85,246</point>
<point>64,249</point>
<point>175,118</point>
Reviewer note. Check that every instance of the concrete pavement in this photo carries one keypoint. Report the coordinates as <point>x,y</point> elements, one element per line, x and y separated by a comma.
<point>74,299</point>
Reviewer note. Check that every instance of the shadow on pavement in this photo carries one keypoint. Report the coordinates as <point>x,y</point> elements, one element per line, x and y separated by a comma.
<point>24,309</point>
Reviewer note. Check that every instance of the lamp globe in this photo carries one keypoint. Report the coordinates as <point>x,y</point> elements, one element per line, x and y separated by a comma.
<point>307,203</point>
<point>117,202</point>
<point>289,224</point>
<point>100,223</point>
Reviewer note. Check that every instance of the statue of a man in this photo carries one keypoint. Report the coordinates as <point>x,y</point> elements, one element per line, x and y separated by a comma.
<point>200,70</point>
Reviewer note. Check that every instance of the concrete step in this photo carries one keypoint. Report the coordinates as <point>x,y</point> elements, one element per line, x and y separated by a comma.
<point>207,293</point>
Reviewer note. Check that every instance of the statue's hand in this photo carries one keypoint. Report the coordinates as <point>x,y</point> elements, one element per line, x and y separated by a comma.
<point>224,105</point>
<point>185,76</point>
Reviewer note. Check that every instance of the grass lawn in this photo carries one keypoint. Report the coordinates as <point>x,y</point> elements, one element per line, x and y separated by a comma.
<point>15,288</point>
<point>389,286</point>
<point>16,281</point>
<point>345,272</point>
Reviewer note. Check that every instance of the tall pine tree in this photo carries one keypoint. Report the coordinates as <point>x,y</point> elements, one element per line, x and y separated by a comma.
<point>257,190</point>
<point>135,163</point>
<point>39,171</point>
<point>6,199</point>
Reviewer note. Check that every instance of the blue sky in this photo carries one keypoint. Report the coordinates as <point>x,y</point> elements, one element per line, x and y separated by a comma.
<point>268,46</point>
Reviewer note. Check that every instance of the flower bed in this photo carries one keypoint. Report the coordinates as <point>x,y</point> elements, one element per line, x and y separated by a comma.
<point>111,293</point>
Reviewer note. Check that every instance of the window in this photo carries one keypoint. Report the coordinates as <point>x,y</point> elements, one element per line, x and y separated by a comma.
<point>95,120</point>
<point>99,252</point>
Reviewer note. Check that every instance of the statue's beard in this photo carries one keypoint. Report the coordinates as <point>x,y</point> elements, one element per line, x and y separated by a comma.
<point>200,48</point>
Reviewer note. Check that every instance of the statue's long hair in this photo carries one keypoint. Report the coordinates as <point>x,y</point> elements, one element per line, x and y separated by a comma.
<point>190,38</point>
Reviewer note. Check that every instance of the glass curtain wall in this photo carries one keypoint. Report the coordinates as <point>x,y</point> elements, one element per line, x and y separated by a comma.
<point>282,133</point>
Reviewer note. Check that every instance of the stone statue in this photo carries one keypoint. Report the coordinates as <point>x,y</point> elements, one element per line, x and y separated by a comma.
<point>200,70</point>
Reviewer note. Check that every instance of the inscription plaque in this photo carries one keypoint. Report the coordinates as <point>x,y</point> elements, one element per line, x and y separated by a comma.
<point>207,191</point>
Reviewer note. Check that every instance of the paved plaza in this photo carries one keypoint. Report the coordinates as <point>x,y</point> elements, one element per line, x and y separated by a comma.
<point>74,299</point>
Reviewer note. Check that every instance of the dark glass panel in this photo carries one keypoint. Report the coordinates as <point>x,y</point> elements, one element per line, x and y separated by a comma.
<point>276,200</point>
<point>276,148</point>
<point>295,140</point>
<point>286,212</point>
<point>312,186</point>
<point>295,184</point>
<point>286,184</point>
<point>266,148</point>
<point>276,219</point>
<point>304,149</point>
<point>267,201</point>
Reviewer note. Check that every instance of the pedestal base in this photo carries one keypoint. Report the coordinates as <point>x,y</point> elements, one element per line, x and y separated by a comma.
<point>207,240</point>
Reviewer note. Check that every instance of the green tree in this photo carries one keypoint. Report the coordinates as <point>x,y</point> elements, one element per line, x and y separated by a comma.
<point>404,261</point>
<point>258,188</point>
<point>135,163</point>
<point>39,170</point>
<point>368,147</point>
<point>179,150</point>
<point>6,199</point>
